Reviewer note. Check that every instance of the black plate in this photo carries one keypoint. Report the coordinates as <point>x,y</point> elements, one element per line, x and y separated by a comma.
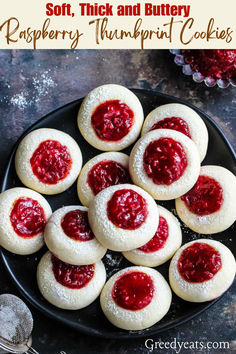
<point>91,320</point>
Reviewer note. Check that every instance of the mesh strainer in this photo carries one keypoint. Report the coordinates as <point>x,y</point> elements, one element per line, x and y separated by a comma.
<point>16,325</point>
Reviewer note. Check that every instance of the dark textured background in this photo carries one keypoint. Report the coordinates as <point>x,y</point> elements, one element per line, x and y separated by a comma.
<point>33,83</point>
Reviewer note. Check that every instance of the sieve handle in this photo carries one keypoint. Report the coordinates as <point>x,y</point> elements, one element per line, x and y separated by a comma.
<point>31,351</point>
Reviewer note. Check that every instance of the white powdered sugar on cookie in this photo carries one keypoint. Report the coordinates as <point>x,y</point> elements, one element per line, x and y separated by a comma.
<point>123,238</point>
<point>203,284</point>
<point>69,237</point>
<point>120,96</point>
<point>178,178</point>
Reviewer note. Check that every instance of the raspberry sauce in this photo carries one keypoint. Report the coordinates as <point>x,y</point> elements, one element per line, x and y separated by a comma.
<point>206,196</point>
<point>72,276</point>
<point>133,291</point>
<point>105,174</point>
<point>164,161</point>
<point>127,209</point>
<point>51,162</point>
<point>173,123</point>
<point>112,120</point>
<point>159,239</point>
<point>218,64</point>
<point>27,217</point>
<point>199,262</point>
<point>76,226</point>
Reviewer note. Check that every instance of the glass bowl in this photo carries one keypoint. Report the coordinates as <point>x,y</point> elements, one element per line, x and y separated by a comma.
<point>197,76</point>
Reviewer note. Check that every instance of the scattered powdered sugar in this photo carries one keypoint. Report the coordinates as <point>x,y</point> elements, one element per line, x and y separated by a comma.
<point>37,87</point>
<point>20,100</point>
<point>16,322</point>
<point>113,260</point>
<point>42,84</point>
<point>112,263</point>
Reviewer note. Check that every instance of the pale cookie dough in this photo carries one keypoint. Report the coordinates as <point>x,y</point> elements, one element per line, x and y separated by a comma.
<point>141,318</point>
<point>221,219</point>
<point>9,239</point>
<point>69,249</point>
<point>85,192</point>
<point>197,128</point>
<point>26,150</point>
<point>117,238</point>
<point>100,95</point>
<point>162,255</point>
<point>209,289</point>
<point>178,187</point>
<point>62,296</point>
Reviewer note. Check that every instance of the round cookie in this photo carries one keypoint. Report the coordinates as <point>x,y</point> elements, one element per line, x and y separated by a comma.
<point>23,215</point>
<point>165,163</point>
<point>110,117</point>
<point>48,161</point>
<point>182,118</point>
<point>123,217</point>
<point>69,287</point>
<point>135,298</point>
<point>102,171</point>
<point>162,246</point>
<point>202,270</point>
<point>209,207</point>
<point>69,236</point>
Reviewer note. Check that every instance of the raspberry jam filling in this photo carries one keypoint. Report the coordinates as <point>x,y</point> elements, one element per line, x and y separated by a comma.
<point>112,120</point>
<point>164,161</point>
<point>174,123</point>
<point>127,209</point>
<point>76,226</point>
<point>51,162</point>
<point>105,174</point>
<point>218,64</point>
<point>206,196</point>
<point>133,291</point>
<point>27,217</point>
<point>159,239</point>
<point>72,276</point>
<point>199,262</point>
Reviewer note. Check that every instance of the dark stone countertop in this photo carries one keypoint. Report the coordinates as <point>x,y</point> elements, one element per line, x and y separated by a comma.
<point>32,84</point>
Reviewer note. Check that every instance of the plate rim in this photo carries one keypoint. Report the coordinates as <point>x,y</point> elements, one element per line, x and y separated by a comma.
<point>78,326</point>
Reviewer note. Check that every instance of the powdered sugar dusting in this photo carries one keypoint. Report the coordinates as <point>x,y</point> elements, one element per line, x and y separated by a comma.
<point>38,87</point>
<point>95,98</point>
<point>42,84</point>
<point>20,100</point>
<point>206,290</point>
<point>112,262</point>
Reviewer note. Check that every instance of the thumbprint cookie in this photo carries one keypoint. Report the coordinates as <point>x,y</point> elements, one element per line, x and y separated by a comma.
<point>135,298</point>
<point>123,217</point>
<point>202,270</point>
<point>69,236</point>
<point>110,117</point>
<point>165,163</point>
<point>209,207</point>
<point>102,171</point>
<point>69,287</point>
<point>182,118</point>
<point>48,161</point>
<point>23,216</point>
